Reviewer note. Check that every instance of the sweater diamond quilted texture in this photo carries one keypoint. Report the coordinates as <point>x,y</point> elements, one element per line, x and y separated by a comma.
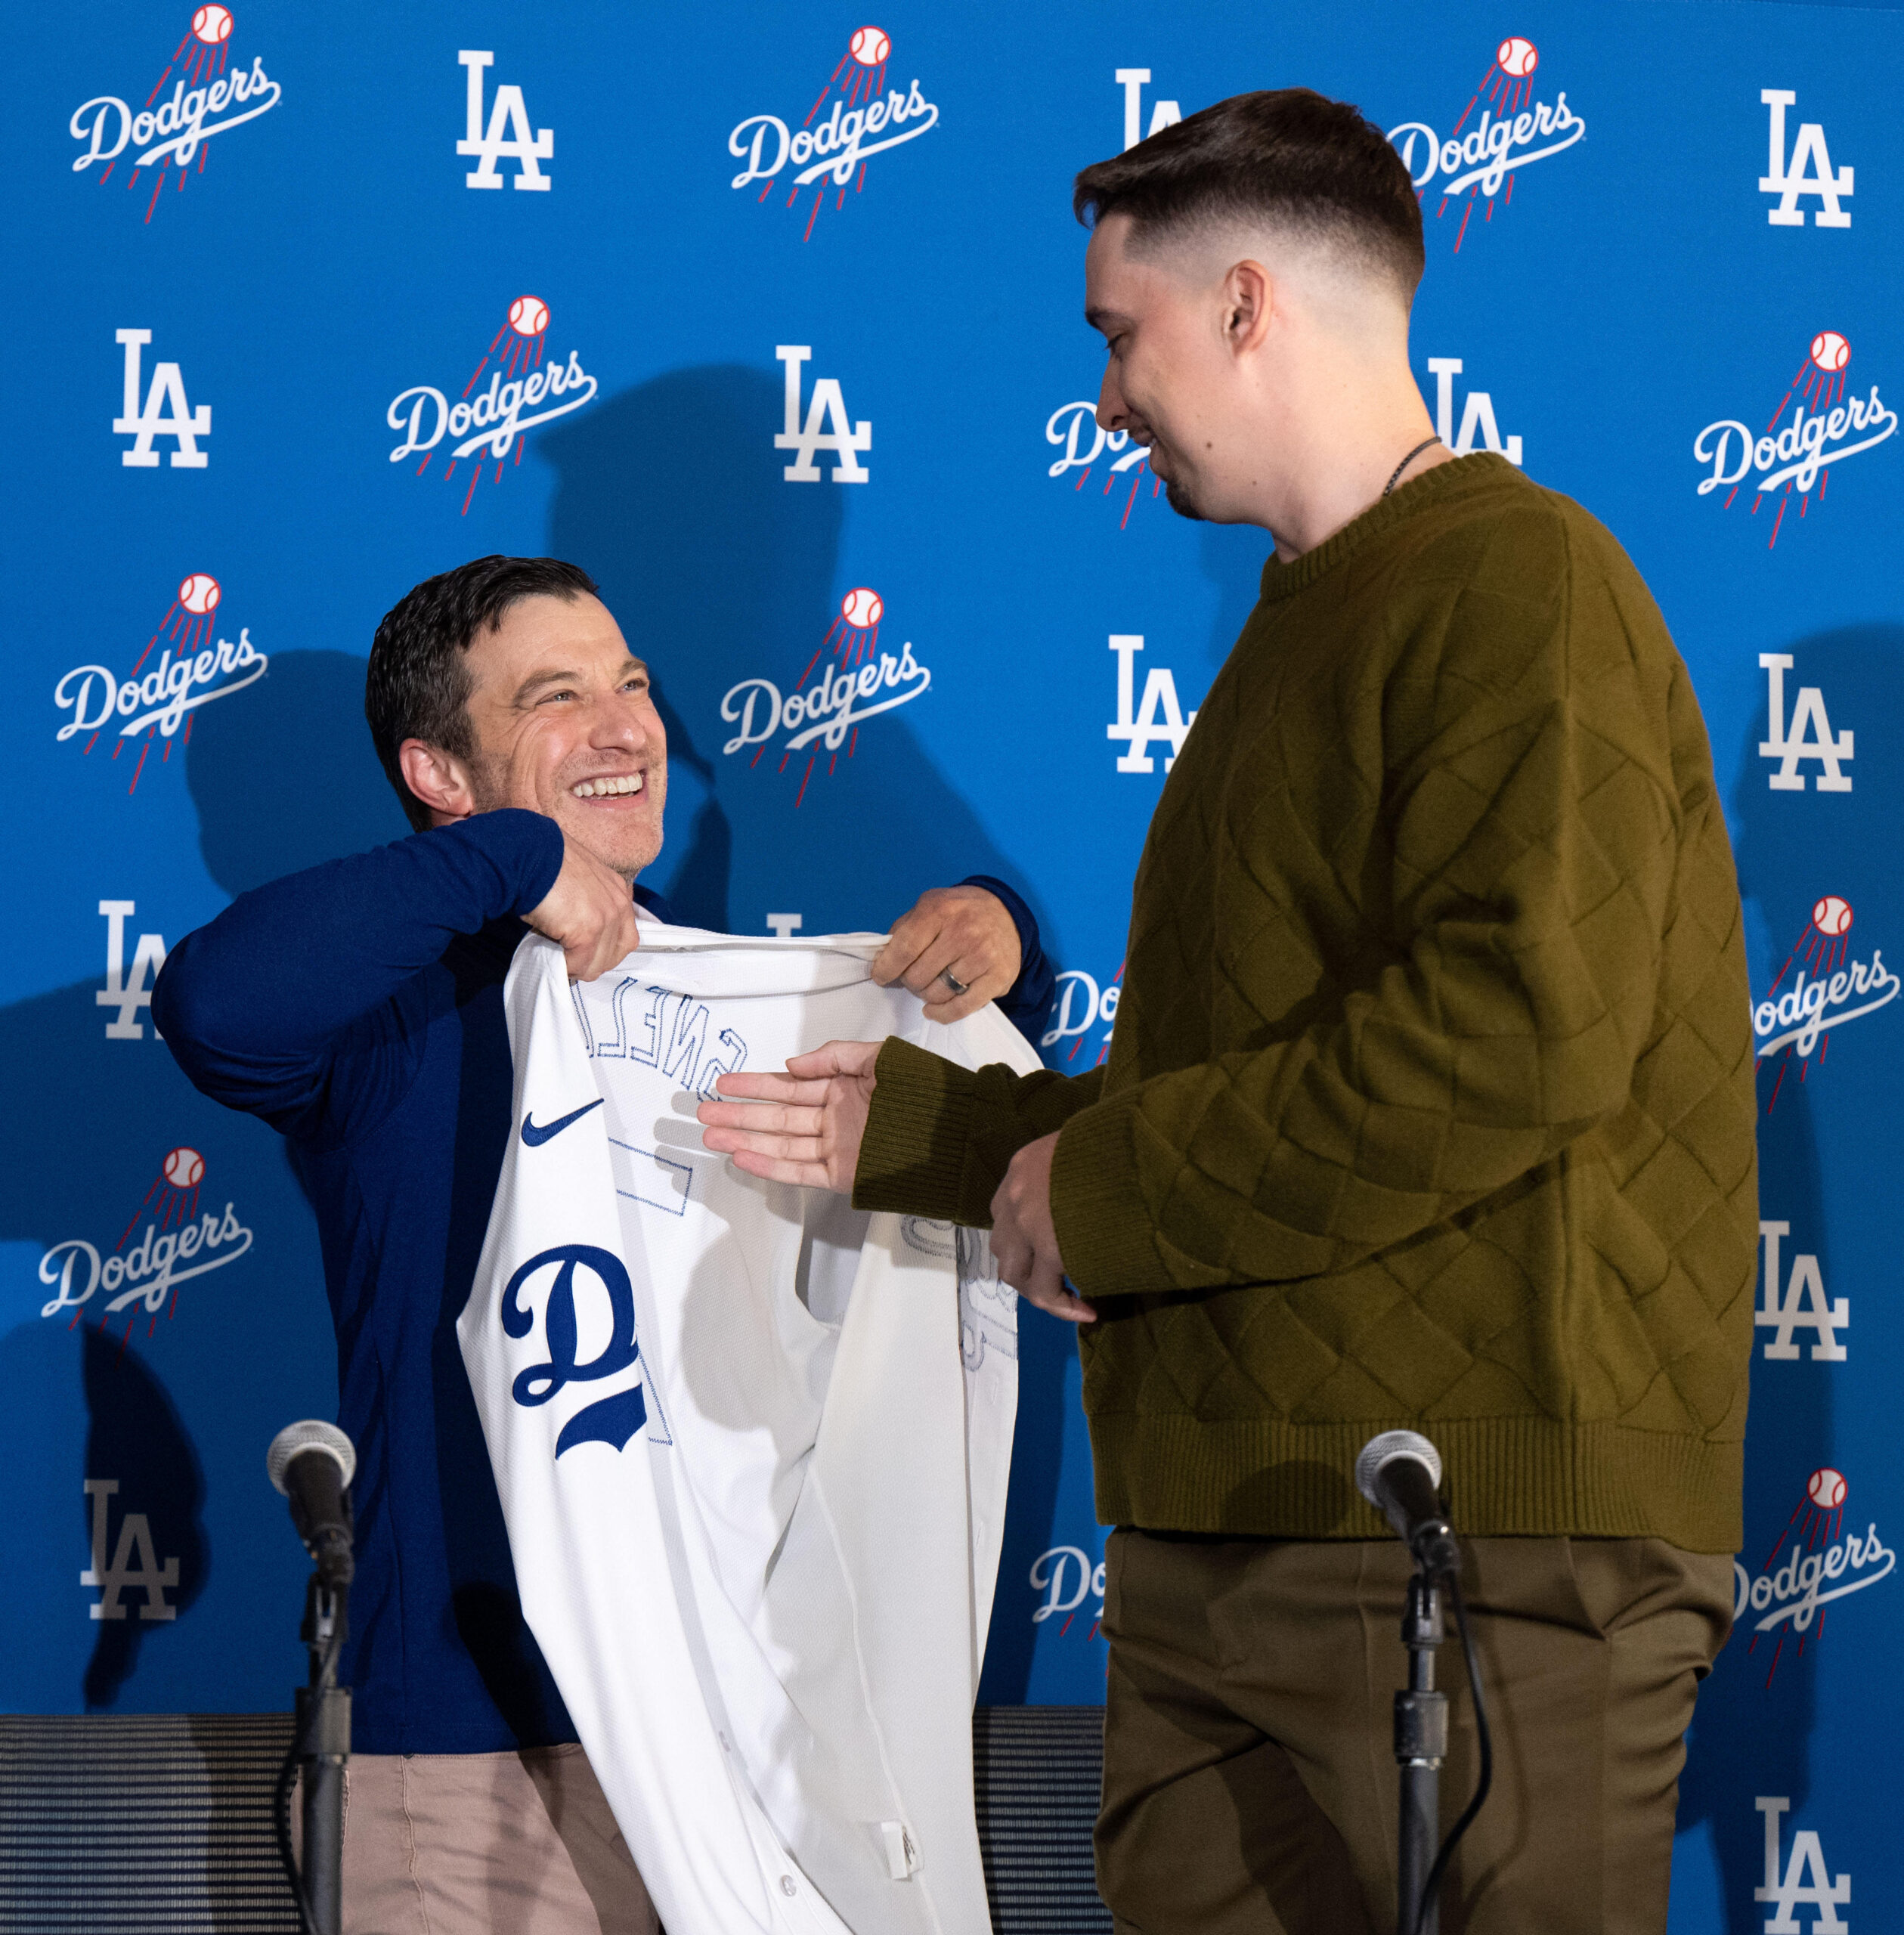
<point>1430,1101</point>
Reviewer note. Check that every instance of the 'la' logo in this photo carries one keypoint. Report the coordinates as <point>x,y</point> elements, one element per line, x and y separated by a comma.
<point>1788,180</point>
<point>129,993</point>
<point>1805,1306</point>
<point>509,132</point>
<point>167,394</point>
<point>1477,414</point>
<point>1806,735</point>
<point>1163,113</point>
<point>1160,717</point>
<point>135,1562</point>
<point>1808,1881</point>
<point>828,408</point>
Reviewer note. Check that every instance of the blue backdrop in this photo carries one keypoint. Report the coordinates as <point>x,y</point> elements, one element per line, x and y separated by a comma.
<point>770,318</point>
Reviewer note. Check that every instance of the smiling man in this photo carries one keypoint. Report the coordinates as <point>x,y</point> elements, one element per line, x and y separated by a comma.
<point>357,1007</point>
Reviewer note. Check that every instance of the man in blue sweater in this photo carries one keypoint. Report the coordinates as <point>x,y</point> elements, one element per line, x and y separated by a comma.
<point>357,1007</point>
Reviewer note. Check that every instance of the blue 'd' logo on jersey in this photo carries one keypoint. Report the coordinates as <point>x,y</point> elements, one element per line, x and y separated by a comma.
<point>610,1420</point>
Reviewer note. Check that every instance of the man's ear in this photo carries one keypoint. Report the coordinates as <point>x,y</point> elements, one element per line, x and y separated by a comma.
<point>437,778</point>
<point>1248,301</point>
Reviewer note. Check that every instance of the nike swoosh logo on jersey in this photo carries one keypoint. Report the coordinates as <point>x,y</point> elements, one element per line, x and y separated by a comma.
<point>535,1137</point>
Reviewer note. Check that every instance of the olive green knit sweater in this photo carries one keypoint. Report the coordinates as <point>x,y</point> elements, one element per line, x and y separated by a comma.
<point>1430,1101</point>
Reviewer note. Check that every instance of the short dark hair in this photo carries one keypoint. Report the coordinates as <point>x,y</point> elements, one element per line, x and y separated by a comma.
<point>1288,156</point>
<point>418,684</point>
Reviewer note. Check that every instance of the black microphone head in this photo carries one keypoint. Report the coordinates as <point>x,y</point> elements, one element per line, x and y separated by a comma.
<point>308,1435</point>
<point>1378,1451</point>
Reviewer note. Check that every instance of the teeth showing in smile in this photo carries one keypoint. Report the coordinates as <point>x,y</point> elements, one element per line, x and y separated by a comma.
<point>600,789</point>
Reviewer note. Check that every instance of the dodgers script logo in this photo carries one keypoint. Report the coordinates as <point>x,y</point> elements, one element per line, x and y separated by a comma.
<point>493,422</point>
<point>1066,1576</point>
<point>1081,439</point>
<point>191,671</point>
<point>1838,992</point>
<point>1080,1005</point>
<point>175,1244</point>
<point>1515,130</point>
<point>858,682</point>
<point>829,151</point>
<point>557,1278</point>
<point>1800,455</point>
<point>204,100</point>
<point>1820,1566</point>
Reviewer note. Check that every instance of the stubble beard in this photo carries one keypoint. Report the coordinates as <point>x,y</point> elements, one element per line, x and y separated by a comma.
<point>489,785</point>
<point>1178,496</point>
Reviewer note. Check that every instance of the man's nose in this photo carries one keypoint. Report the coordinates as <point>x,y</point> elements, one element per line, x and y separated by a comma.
<point>1110,403</point>
<point>626,721</point>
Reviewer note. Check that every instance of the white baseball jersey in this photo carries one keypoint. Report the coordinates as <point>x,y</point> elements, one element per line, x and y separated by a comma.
<point>752,1446</point>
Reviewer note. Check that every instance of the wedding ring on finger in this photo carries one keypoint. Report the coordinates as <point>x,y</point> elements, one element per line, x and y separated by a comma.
<point>957,986</point>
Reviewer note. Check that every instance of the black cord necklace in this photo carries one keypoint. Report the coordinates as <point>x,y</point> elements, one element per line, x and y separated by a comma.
<point>1396,477</point>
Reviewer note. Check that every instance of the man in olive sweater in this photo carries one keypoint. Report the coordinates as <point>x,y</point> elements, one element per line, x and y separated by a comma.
<point>1430,1105</point>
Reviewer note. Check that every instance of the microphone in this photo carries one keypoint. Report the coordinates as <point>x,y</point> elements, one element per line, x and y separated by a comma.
<point>312,1463</point>
<point>1399,1473</point>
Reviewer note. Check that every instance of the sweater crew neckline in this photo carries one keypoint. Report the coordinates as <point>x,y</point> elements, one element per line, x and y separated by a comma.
<point>1475,472</point>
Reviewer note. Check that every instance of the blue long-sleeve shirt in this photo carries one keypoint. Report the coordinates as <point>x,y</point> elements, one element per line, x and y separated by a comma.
<point>358,1008</point>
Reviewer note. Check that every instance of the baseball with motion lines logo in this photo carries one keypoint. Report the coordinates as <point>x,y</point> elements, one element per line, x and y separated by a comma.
<point>175,1244</point>
<point>211,94</point>
<point>491,423</point>
<point>830,150</point>
<point>858,682</point>
<point>1481,156</point>
<point>1840,424</point>
<point>159,699</point>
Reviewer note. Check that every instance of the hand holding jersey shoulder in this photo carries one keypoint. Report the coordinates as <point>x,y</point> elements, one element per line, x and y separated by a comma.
<point>589,913</point>
<point>964,932</point>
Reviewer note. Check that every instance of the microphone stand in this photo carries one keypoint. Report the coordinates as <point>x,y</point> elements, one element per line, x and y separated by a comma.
<point>322,1749</point>
<point>1421,1745</point>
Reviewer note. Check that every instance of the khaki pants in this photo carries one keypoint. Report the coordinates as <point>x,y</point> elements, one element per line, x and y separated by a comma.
<point>485,1844</point>
<point>1249,1777</point>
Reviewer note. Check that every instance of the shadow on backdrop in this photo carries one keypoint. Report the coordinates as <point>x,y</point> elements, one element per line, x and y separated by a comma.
<point>84,1404</point>
<point>290,781</point>
<point>138,1443</point>
<point>1756,1716</point>
<point>671,496</point>
<point>293,781</point>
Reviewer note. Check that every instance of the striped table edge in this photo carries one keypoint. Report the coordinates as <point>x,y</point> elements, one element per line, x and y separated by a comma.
<point>160,1824</point>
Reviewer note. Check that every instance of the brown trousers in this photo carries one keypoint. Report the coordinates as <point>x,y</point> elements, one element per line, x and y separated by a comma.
<point>485,1844</point>
<point>1250,1779</point>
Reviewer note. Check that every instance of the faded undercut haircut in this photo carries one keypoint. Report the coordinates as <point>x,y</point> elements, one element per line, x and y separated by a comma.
<point>418,685</point>
<point>1286,157</point>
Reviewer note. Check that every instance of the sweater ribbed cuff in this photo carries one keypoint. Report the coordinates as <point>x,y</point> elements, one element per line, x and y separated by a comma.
<point>1104,1230</point>
<point>912,1153</point>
